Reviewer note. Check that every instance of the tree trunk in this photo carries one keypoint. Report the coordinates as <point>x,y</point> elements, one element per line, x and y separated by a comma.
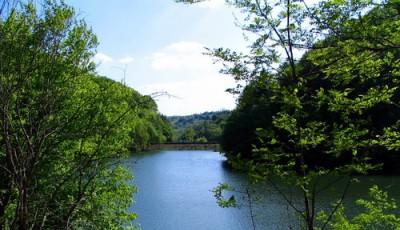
<point>23,218</point>
<point>309,219</point>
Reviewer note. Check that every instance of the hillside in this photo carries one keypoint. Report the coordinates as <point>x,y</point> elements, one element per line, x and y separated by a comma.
<point>203,127</point>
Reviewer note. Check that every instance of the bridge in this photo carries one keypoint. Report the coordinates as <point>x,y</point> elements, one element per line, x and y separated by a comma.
<point>186,146</point>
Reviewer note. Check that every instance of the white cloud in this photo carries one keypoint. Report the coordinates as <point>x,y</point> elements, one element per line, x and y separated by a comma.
<point>186,72</point>
<point>193,96</point>
<point>126,60</point>
<point>102,58</point>
<point>211,4</point>
<point>184,56</point>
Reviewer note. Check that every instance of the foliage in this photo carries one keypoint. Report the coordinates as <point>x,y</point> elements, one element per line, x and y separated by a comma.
<point>149,127</point>
<point>188,135</point>
<point>218,194</point>
<point>326,73</point>
<point>64,129</point>
<point>320,87</point>
<point>204,127</point>
<point>254,110</point>
<point>378,214</point>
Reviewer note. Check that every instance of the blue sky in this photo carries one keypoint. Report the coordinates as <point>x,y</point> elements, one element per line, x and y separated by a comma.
<point>159,44</point>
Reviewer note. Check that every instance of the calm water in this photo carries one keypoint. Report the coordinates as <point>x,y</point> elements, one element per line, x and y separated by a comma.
<point>174,194</point>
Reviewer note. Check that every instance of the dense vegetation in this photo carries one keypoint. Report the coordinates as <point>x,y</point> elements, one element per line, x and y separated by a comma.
<point>334,111</point>
<point>204,127</point>
<point>147,125</point>
<point>352,106</point>
<point>63,129</point>
<point>323,96</point>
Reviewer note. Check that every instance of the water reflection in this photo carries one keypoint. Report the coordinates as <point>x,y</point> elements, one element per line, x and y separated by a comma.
<point>174,193</point>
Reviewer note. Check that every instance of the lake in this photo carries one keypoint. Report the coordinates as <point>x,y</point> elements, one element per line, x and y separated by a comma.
<point>174,193</point>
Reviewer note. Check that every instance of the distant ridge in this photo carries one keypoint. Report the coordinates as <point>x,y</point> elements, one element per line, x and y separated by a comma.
<point>206,127</point>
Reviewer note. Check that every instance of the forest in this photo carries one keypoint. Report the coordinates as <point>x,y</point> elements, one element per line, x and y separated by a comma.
<point>204,127</point>
<point>322,98</point>
<point>337,105</point>
<point>64,128</point>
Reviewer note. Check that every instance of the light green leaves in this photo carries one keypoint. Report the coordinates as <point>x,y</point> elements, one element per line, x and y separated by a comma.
<point>390,138</point>
<point>221,200</point>
<point>286,122</point>
<point>312,135</point>
<point>378,214</point>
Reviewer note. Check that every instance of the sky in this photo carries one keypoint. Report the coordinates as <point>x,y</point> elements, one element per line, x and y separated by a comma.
<point>159,45</point>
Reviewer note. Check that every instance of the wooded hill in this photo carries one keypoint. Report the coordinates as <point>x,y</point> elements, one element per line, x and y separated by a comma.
<point>203,127</point>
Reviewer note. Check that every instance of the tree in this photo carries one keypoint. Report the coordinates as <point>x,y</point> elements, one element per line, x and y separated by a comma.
<point>254,110</point>
<point>149,127</point>
<point>188,135</point>
<point>63,129</point>
<point>208,124</point>
<point>377,215</point>
<point>328,66</point>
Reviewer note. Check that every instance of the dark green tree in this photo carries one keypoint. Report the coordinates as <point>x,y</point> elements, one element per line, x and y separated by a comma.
<point>330,65</point>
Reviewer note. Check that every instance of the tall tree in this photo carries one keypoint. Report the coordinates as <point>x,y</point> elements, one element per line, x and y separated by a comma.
<point>324,99</point>
<point>62,129</point>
